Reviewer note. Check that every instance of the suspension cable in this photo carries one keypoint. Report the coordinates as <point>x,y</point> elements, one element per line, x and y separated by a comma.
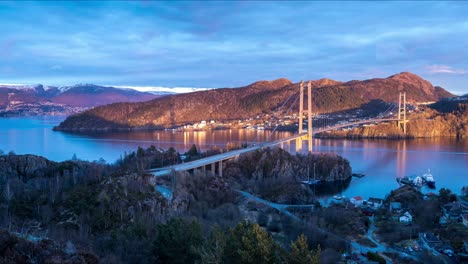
<point>274,115</point>
<point>287,112</point>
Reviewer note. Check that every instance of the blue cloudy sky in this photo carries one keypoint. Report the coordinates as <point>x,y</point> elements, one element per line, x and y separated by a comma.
<point>227,44</point>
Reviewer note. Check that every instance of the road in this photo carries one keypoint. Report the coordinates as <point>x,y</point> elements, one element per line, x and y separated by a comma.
<point>358,248</point>
<point>164,191</point>
<point>280,207</point>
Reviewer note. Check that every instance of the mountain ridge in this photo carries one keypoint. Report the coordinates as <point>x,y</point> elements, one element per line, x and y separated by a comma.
<point>243,102</point>
<point>50,100</point>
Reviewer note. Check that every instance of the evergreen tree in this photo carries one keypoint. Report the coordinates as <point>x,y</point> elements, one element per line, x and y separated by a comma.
<point>176,241</point>
<point>212,250</point>
<point>249,243</point>
<point>300,253</point>
<point>193,152</point>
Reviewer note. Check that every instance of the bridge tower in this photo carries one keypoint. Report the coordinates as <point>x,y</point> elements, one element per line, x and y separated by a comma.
<point>402,112</point>
<point>308,112</point>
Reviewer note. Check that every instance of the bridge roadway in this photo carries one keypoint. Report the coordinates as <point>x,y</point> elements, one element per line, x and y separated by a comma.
<point>200,163</point>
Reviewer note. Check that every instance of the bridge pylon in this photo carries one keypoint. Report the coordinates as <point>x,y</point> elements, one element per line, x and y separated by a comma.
<point>308,112</point>
<point>402,112</point>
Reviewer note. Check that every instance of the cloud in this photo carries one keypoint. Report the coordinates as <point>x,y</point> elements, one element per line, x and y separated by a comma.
<point>441,69</point>
<point>219,44</point>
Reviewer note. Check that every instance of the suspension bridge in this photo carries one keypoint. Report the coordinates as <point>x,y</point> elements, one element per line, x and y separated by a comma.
<point>215,163</point>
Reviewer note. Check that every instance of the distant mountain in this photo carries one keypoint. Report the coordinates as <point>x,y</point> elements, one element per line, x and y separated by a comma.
<point>160,90</point>
<point>244,102</point>
<point>39,100</point>
<point>90,95</point>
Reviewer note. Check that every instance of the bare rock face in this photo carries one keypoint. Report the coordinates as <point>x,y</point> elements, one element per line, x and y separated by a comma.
<point>429,123</point>
<point>14,249</point>
<point>276,175</point>
<point>24,174</point>
<point>324,82</point>
<point>329,167</point>
<point>23,166</point>
<point>414,80</point>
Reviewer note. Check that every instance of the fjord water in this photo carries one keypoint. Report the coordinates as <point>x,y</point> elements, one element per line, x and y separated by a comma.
<point>380,160</point>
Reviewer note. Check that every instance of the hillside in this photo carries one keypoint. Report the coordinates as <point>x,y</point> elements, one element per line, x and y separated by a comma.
<point>451,104</point>
<point>446,118</point>
<point>40,100</point>
<point>248,101</point>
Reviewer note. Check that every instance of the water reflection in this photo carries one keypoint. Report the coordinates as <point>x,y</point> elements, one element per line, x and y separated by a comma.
<point>401,159</point>
<point>329,189</point>
<point>380,160</point>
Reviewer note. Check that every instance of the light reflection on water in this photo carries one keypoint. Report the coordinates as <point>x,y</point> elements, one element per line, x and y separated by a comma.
<point>380,160</point>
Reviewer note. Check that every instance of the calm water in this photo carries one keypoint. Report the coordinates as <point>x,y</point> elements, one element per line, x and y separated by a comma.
<point>380,160</point>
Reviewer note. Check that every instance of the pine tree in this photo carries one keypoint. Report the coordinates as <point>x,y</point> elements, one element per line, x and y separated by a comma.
<point>249,243</point>
<point>300,253</point>
<point>193,151</point>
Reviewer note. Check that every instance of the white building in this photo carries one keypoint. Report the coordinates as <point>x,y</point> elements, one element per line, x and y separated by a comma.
<point>375,202</point>
<point>406,218</point>
<point>357,201</point>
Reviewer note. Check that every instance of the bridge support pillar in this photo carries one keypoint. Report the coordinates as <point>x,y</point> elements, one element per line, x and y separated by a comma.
<point>308,112</point>
<point>301,106</point>
<point>309,116</point>
<point>220,168</point>
<point>298,144</point>
<point>402,112</point>
<point>213,168</point>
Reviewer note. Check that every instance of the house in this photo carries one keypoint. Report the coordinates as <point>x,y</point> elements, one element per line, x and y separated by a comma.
<point>357,201</point>
<point>454,210</point>
<point>465,219</point>
<point>395,207</point>
<point>375,202</point>
<point>406,218</point>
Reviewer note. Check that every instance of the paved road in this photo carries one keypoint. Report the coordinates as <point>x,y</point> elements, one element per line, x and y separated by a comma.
<point>379,246</point>
<point>280,207</point>
<point>356,246</point>
<point>164,191</point>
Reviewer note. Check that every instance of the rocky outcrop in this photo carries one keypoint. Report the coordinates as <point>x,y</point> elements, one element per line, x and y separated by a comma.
<point>429,123</point>
<point>24,174</point>
<point>275,175</point>
<point>15,249</point>
<point>23,166</point>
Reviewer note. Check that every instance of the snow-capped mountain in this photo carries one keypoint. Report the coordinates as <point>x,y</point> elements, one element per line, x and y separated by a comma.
<point>160,90</point>
<point>24,99</point>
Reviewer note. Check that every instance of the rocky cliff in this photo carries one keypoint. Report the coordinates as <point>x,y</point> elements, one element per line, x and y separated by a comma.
<point>276,175</point>
<point>429,123</point>
<point>16,249</point>
<point>30,173</point>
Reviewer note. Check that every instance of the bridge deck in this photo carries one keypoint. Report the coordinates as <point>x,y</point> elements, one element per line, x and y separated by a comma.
<point>231,154</point>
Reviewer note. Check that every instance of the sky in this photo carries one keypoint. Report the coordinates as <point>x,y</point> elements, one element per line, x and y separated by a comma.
<point>231,44</point>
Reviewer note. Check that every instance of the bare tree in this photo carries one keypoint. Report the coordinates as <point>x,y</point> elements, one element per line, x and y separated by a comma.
<point>8,195</point>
